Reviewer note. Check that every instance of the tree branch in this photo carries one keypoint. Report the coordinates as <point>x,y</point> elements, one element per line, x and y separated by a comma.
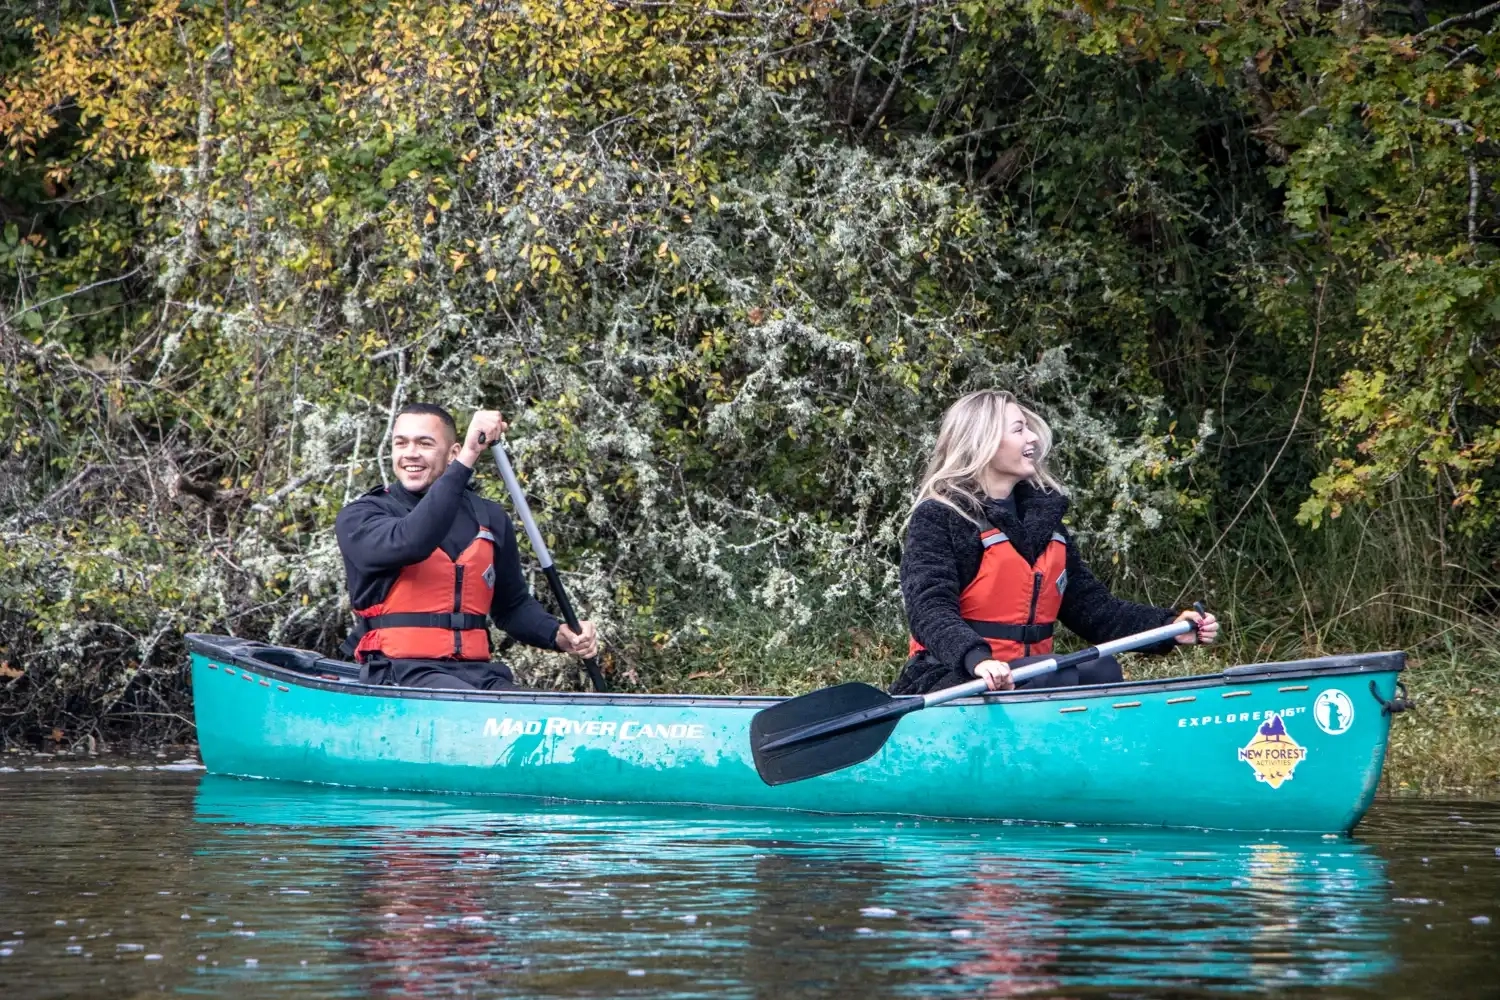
<point>390,417</point>
<point>1472,15</point>
<point>1473,200</point>
<point>198,204</point>
<point>1265,109</point>
<point>68,295</point>
<point>859,72</point>
<point>275,499</point>
<point>1466,53</point>
<point>911,31</point>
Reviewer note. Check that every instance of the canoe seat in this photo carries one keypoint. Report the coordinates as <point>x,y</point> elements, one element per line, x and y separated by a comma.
<point>304,662</point>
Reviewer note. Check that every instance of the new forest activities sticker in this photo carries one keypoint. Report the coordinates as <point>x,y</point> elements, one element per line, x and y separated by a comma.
<point>1272,754</point>
<point>1333,712</point>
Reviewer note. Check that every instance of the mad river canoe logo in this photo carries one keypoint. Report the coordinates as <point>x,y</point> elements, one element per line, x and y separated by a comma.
<point>625,731</point>
<point>1272,754</point>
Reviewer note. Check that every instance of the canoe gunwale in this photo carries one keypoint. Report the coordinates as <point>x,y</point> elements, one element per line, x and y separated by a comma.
<point>241,653</point>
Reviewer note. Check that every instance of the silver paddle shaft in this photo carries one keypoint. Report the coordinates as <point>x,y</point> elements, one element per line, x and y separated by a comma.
<point>518,497</point>
<point>1026,673</point>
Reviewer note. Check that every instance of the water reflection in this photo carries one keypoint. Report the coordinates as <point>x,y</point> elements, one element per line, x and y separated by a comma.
<point>413,895</point>
<point>406,873</point>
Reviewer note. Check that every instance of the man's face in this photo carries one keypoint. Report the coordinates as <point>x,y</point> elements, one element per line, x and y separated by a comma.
<point>421,448</point>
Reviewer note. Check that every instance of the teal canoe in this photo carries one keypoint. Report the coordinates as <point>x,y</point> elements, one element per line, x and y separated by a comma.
<point>1295,746</point>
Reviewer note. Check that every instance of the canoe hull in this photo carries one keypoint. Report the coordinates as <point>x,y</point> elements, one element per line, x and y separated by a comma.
<point>1202,752</point>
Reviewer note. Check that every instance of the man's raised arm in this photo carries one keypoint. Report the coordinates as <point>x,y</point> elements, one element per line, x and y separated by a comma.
<point>374,540</point>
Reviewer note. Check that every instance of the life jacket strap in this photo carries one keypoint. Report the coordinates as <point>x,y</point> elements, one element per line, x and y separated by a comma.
<point>411,619</point>
<point>449,621</point>
<point>1031,634</point>
<point>995,536</point>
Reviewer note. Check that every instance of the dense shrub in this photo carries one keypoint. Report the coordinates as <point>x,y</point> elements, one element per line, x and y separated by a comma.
<point>724,269</point>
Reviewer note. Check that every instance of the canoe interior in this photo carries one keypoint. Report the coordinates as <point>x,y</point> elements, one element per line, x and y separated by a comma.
<point>309,669</point>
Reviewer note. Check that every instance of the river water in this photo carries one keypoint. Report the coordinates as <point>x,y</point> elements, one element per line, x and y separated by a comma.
<point>127,880</point>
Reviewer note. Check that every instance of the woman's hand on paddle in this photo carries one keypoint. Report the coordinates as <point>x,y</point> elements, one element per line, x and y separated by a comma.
<point>1205,628</point>
<point>584,642</point>
<point>485,428</point>
<point>996,674</point>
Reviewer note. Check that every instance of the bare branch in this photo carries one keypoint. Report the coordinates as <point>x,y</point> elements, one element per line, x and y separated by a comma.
<point>1466,53</point>
<point>198,203</point>
<point>859,73</point>
<point>273,501</point>
<point>359,434</point>
<point>390,417</point>
<point>68,295</point>
<point>21,518</point>
<point>1473,15</point>
<point>1291,431</point>
<point>1473,200</point>
<point>911,31</point>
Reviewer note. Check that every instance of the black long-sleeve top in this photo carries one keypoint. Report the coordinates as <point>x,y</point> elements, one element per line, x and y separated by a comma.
<point>390,527</point>
<point>942,556</point>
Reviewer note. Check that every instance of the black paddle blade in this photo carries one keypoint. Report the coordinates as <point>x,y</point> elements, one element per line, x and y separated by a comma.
<point>827,751</point>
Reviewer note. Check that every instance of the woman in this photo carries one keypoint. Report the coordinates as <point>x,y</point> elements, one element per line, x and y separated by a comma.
<point>988,567</point>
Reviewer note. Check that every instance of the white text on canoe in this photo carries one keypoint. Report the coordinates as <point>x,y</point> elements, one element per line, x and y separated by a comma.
<point>628,730</point>
<point>1190,721</point>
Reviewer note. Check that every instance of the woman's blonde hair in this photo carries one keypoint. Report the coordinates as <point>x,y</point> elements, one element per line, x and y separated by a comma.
<point>972,429</point>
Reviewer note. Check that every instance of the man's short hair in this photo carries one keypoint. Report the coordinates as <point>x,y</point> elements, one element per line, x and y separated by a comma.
<point>432,410</point>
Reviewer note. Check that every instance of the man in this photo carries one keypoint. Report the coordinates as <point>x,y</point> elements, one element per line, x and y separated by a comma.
<point>430,563</point>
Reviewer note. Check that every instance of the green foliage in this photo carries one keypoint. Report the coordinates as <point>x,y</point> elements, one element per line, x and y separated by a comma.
<point>724,270</point>
<point>1379,127</point>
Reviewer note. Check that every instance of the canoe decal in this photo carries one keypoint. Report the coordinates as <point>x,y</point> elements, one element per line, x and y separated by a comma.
<point>1272,753</point>
<point>626,731</point>
<point>1333,712</point>
<point>1222,718</point>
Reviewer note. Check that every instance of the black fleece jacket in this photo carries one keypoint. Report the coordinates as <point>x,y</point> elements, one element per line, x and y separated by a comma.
<point>390,527</point>
<point>942,556</point>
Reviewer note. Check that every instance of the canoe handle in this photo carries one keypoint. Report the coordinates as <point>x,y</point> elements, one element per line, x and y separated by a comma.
<point>1400,703</point>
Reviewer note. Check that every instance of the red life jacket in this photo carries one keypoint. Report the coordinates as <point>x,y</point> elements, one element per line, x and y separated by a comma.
<point>438,609</point>
<point>1011,603</point>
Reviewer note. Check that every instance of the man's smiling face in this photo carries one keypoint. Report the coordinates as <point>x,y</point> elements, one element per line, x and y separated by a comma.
<point>421,448</point>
